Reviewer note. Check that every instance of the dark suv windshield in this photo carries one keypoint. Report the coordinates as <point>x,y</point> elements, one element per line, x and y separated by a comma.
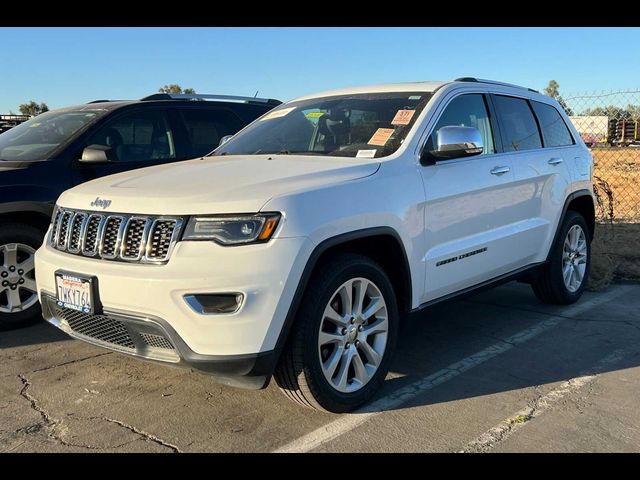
<point>35,139</point>
<point>360,125</point>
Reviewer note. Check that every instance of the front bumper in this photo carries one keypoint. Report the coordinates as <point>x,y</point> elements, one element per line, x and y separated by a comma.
<point>266,274</point>
<point>155,340</point>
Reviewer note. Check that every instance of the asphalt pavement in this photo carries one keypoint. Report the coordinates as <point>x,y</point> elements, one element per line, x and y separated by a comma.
<point>496,372</point>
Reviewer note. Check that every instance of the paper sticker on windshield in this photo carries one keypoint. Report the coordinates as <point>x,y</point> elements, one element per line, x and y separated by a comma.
<point>34,125</point>
<point>314,114</point>
<point>415,97</point>
<point>277,114</point>
<point>381,137</point>
<point>366,153</point>
<point>403,117</point>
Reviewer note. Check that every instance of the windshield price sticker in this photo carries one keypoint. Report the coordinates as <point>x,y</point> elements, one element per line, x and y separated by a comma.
<point>403,117</point>
<point>381,137</point>
<point>277,114</point>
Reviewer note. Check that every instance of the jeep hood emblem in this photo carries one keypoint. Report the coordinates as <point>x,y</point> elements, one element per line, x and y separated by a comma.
<point>101,202</point>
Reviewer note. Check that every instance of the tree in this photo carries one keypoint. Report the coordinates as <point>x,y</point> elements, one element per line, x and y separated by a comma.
<point>175,88</point>
<point>32,108</point>
<point>553,90</point>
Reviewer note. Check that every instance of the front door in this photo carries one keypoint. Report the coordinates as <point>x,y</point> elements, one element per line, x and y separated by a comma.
<point>469,214</point>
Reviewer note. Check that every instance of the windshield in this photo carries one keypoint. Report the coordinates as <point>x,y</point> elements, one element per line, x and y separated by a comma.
<point>35,139</point>
<point>368,125</point>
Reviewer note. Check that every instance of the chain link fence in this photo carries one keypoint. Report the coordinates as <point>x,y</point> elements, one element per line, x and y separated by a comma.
<point>609,123</point>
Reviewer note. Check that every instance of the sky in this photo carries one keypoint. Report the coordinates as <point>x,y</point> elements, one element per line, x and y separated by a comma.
<point>67,66</point>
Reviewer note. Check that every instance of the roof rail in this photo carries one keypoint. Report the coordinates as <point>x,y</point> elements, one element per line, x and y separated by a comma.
<point>492,82</point>
<point>206,96</point>
<point>99,101</point>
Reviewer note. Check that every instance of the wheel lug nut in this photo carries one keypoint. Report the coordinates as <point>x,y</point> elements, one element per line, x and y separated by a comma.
<point>357,343</point>
<point>4,274</point>
<point>359,328</point>
<point>353,320</point>
<point>21,281</point>
<point>343,331</point>
<point>20,272</point>
<point>5,283</point>
<point>12,268</point>
<point>347,345</point>
<point>13,287</point>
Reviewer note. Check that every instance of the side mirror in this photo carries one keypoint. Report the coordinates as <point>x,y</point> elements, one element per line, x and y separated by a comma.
<point>95,154</point>
<point>225,139</point>
<point>457,142</point>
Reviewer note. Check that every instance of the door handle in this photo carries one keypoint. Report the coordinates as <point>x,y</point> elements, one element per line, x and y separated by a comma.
<point>500,170</point>
<point>555,161</point>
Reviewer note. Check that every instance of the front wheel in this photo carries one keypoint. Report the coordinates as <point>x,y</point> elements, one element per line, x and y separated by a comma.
<point>564,277</point>
<point>344,335</point>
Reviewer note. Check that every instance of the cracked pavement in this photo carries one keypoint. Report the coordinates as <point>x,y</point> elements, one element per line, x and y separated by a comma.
<point>571,386</point>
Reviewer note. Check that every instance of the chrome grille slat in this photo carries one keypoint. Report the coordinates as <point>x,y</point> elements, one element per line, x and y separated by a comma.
<point>120,237</point>
<point>90,244</point>
<point>74,242</point>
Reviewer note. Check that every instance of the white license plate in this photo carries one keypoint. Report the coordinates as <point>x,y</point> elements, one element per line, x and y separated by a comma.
<point>75,292</point>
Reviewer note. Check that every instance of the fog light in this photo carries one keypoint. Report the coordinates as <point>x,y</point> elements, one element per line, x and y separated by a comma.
<point>214,303</point>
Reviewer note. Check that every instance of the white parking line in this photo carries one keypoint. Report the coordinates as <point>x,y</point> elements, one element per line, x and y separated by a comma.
<point>348,422</point>
<point>505,429</point>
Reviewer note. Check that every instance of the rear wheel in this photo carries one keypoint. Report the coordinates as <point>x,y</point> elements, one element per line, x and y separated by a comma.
<point>344,334</point>
<point>18,295</point>
<point>564,277</point>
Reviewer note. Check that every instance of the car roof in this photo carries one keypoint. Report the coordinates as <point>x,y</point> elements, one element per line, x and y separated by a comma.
<point>426,86</point>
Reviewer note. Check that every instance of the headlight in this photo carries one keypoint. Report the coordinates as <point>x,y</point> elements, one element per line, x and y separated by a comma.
<point>232,229</point>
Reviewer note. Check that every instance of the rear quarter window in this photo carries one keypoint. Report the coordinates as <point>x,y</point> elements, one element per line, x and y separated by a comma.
<point>554,130</point>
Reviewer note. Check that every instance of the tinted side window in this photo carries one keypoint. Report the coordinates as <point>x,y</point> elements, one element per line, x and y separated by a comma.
<point>519,128</point>
<point>468,111</point>
<point>206,127</point>
<point>554,131</point>
<point>137,137</point>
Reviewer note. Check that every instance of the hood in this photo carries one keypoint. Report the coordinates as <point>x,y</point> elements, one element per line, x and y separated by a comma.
<point>233,184</point>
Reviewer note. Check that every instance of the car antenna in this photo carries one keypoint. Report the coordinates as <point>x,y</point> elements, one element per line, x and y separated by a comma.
<point>256,95</point>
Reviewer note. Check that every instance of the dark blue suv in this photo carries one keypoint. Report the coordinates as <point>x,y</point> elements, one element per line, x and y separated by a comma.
<point>54,151</point>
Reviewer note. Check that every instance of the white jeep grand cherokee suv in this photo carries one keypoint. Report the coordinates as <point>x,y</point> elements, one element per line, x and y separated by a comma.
<point>299,246</point>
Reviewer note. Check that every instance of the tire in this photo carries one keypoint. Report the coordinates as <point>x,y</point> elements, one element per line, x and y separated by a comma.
<point>550,286</point>
<point>300,373</point>
<point>29,239</point>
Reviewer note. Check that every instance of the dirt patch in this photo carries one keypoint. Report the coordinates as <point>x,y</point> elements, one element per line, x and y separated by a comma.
<point>616,254</point>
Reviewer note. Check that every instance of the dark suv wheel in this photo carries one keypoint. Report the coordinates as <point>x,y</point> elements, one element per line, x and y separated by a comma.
<point>344,334</point>
<point>564,277</point>
<point>18,296</point>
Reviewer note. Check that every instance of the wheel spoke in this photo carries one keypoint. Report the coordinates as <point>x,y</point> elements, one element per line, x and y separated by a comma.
<point>346,294</point>
<point>360,372</point>
<point>343,371</point>
<point>379,326</point>
<point>327,338</point>
<point>14,301</point>
<point>332,363</point>
<point>372,356</point>
<point>374,307</point>
<point>10,254</point>
<point>28,265</point>
<point>566,272</point>
<point>334,317</point>
<point>360,288</point>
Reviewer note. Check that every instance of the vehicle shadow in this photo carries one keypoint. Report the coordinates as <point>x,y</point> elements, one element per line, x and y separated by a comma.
<point>40,332</point>
<point>446,335</point>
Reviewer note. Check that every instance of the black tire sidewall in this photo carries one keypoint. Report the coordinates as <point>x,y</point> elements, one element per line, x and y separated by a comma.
<point>573,218</point>
<point>33,237</point>
<point>325,394</point>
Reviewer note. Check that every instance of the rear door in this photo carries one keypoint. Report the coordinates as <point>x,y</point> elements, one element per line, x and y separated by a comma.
<point>204,127</point>
<point>469,214</point>
<point>540,146</point>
